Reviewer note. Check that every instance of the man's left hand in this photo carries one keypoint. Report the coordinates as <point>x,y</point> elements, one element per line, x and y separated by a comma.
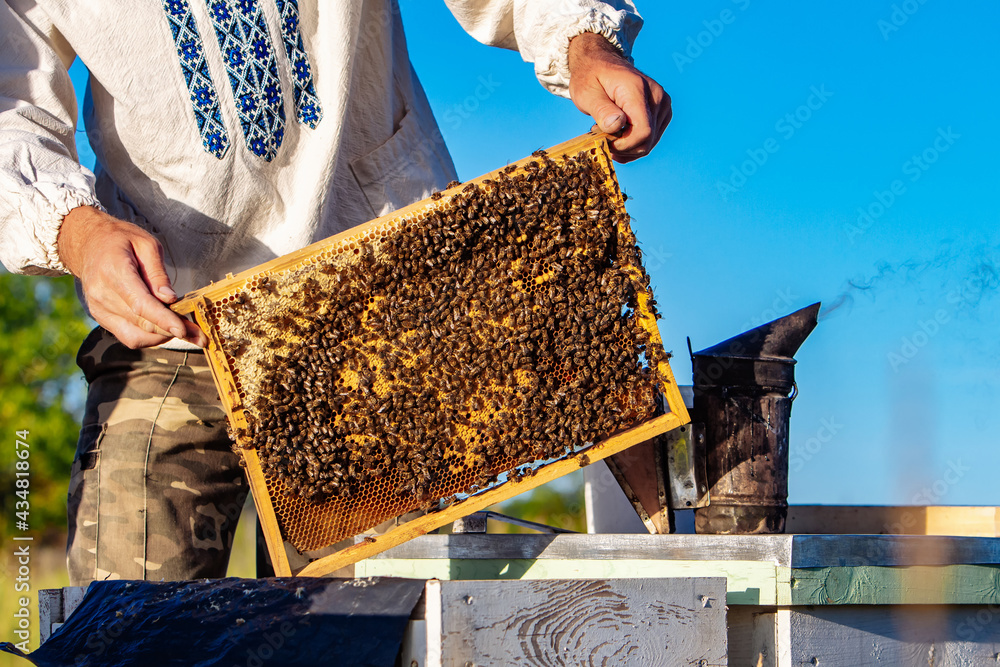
<point>622,100</point>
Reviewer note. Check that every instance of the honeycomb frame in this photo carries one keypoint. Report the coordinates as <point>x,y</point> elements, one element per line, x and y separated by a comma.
<point>208,304</point>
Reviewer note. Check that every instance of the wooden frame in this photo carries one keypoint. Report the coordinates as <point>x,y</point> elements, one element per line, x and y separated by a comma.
<point>199,303</point>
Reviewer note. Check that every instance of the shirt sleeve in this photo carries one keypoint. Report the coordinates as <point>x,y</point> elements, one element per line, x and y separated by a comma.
<point>541,30</point>
<point>41,179</point>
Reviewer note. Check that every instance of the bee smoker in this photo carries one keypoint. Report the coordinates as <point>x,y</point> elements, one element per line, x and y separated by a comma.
<point>743,393</point>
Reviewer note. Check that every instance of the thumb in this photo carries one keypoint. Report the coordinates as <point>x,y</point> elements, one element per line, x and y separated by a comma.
<point>608,115</point>
<point>149,254</point>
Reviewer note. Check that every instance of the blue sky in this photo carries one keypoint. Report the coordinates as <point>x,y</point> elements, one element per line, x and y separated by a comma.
<point>789,119</point>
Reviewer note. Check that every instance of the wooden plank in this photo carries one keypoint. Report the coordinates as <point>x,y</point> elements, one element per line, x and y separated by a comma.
<point>894,520</point>
<point>433,619</point>
<point>414,647</point>
<point>800,551</point>
<point>865,585</point>
<point>491,496</point>
<point>72,597</point>
<point>775,549</point>
<point>752,636</point>
<point>55,605</point>
<point>783,586</point>
<point>618,621</point>
<point>911,636</point>
<point>629,492</point>
<point>783,634</point>
<point>50,612</point>
<point>969,521</point>
<point>748,582</point>
<point>892,550</point>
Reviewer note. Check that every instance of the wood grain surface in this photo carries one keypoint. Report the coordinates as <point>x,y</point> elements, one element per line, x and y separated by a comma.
<point>965,636</point>
<point>599,622</point>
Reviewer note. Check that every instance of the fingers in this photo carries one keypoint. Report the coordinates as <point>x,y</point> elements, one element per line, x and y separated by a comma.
<point>622,100</point>
<point>594,101</point>
<point>666,114</point>
<point>154,281</point>
<point>133,329</point>
<point>135,295</point>
<point>633,96</point>
<point>128,333</point>
<point>124,281</point>
<point>150,255</point>
<point>649,113</point>
<point>194,333</point>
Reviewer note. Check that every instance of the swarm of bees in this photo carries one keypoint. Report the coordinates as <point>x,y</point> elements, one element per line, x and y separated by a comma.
<point>497,331</point>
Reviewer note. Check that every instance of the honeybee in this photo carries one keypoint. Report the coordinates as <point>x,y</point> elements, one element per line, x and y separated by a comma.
<point>267,285</point>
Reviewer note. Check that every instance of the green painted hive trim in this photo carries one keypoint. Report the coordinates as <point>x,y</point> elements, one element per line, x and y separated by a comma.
<point>920,584</point>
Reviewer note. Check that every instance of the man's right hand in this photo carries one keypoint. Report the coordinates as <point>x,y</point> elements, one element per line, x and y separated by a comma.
<point>124,282</point>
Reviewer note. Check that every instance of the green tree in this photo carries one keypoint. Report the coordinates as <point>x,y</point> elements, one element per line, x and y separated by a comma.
<point>41,391</point>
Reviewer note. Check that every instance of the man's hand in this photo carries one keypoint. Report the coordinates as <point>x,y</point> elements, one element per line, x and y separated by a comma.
<point>604,85</point>
<point>121,269</point>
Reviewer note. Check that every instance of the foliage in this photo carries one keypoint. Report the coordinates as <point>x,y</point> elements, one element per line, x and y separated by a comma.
<point>42,392</point>
<point>558,504</point>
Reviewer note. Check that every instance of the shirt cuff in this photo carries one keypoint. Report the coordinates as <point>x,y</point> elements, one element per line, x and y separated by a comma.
<point>618,27</point>
<point>57,200</point>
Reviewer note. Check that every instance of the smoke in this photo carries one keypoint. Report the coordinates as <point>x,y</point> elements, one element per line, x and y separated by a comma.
<point>844,299</point>
<point>961,277</point>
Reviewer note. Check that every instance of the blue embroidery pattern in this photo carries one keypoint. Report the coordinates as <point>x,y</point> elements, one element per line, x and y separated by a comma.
<point>307,106</point>
<point>253,73</point>
<point>204,99</point>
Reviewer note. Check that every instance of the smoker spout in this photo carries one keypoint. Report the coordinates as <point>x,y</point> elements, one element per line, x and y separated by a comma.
<point>760,357</point>
<point>778,339</point>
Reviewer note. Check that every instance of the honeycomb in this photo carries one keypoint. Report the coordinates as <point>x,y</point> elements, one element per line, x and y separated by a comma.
<point>490,330</point>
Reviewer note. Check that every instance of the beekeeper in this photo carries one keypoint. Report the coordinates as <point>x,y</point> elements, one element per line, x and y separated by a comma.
<point>228,133</point>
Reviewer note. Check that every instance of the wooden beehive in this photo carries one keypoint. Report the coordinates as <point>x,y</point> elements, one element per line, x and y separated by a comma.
<point>444,357</point>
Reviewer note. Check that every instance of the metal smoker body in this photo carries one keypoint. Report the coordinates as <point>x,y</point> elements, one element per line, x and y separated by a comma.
<point>743,393</point>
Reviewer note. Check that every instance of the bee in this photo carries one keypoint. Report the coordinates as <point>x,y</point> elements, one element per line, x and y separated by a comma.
<point>230,314</point>
<point>267,285</point>
<point>236,348</point>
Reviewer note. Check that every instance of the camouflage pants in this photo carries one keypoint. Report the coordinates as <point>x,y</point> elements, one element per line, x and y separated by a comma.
<point>155,491</point>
